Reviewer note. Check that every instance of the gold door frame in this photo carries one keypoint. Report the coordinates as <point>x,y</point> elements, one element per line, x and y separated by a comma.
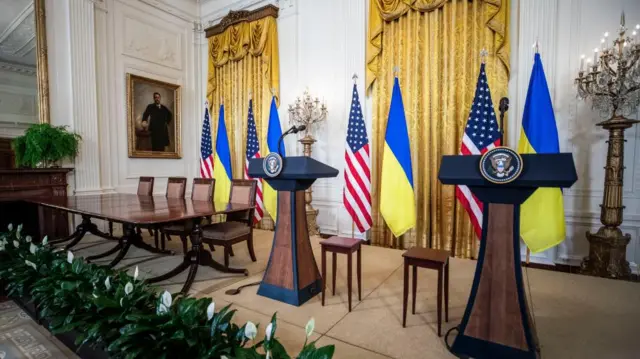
<point>42,70</point>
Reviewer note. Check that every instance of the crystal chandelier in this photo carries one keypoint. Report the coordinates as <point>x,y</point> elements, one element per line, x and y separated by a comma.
<point>612,78</point>
<point>307,111</point>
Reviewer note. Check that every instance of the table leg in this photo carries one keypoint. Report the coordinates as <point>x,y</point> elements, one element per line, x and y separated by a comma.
<point>440,301</point>
<point>415,289</point>
<point>349,279</point>
<point>446,293</point>
<point>83,228</point>
<point>105,254</point>
<point>359,269</point>
<point>333,273</point>
<point>195,257</point>
<point>405,293</point>
<point>324,273</point>
<point>130,235</point>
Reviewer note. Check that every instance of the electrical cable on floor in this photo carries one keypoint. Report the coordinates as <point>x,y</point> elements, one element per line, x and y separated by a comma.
<point>240,288</point>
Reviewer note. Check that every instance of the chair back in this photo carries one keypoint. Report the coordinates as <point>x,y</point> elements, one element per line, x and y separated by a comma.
<point>202,189</point>
<point>176,187</point>
<point>243,192</point>
<point>145,186</point>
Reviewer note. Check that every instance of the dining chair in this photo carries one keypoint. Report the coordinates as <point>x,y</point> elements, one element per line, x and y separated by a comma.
<point>202,190</point>
<point>238,226</point>
<point>176,188</point>
<point>145,188</point>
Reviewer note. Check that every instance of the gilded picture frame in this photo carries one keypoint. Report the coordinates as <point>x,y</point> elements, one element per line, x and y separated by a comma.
<point>153,118</point>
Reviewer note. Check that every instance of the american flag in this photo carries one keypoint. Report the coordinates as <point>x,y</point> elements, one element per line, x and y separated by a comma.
<point>206,153</point>
<point>480,135</point>
<point>357,173</point>
<point>253,151</point>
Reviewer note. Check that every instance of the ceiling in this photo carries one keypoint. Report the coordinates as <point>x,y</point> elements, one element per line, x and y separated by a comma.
<point>17,32</point>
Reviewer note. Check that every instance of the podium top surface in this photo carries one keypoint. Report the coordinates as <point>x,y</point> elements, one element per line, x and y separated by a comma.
<point>538,170</point>
<point>294,168</point>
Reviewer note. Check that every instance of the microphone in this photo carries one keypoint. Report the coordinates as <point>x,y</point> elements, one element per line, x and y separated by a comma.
<point>293,129</point>
<point>502,107</point>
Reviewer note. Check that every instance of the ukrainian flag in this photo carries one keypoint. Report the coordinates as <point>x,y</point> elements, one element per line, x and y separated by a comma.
<point>397,201</point>
<point>273,135</point>
<point>542,214</point>
<point>222,162</point>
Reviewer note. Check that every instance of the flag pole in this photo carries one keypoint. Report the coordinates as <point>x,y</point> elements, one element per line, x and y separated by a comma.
<point>353,223</point>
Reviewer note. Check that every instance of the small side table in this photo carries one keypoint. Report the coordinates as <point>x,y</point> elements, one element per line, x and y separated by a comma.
<point>426,258</point>
<point>346,246</point>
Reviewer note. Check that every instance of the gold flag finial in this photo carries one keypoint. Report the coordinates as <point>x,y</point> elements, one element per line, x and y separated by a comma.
<point>355,78</point>
<point>396,71</point>
<point>483,55</point>
<point>273,91</point>
<point>250,94</point>
<point>536,46</point>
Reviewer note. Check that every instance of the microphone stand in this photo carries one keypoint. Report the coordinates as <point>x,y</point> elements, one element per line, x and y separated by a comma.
<point>503,107</point>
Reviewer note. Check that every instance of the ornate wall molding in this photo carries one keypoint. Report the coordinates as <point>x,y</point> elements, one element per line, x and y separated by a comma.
<point>18,68</point>
<point>151,43</point>
<point>235,17</point>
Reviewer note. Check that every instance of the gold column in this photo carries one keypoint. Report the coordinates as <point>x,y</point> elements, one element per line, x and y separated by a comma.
<point>608,246</point>
<point>312,214</point>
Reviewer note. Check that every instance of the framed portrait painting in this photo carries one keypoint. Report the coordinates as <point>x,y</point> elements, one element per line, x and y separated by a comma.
<point>153,118</point>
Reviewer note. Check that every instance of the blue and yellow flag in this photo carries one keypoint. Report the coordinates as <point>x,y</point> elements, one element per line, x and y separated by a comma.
<point>273,134</point>
<point>542,215</point>
<point>222,162</point>
<point>397,201</point>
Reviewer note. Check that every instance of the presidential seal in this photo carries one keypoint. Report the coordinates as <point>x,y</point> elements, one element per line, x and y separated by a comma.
<point>500,165</point>
<point>272,164</point>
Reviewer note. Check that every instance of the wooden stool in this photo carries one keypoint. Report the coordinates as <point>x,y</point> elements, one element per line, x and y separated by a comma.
<point>432,259</point>
<point>347,246</point>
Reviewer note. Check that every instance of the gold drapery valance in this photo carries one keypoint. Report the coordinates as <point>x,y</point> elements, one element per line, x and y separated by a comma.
<point>244,33</point>
<point>496,16</point>
<point>243,66</point>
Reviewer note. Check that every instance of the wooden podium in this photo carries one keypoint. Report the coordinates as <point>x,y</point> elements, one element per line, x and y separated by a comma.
<point>292,275</point>
<point>497,322</point>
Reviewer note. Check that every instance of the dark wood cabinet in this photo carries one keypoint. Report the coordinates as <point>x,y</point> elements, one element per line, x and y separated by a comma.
<point>17,184</point>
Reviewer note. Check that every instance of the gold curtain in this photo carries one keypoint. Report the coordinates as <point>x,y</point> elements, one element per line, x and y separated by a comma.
<point>436,45</point>
<point>243,62</point>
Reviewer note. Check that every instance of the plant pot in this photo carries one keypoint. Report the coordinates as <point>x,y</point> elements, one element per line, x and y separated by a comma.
<point>29,307</point>
<point>69,340</point>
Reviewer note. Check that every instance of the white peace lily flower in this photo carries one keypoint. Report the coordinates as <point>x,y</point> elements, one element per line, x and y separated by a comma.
<point>16,244</point>
<point>33,248</point>
<point>135,274</point>
<point>70,257</point>
<point>128,288</point>
<point>19,228</point>
<point>250,331</point>
<point>311,324</point>
<point>211,310</point>
<point>166,299</point>
<point>162,309</point>
<point>268,354</point>
<point>10,227</point>
<point>94,295</point>
<point>268,332</point>
<point>45,240</point>
<point>121,299</point>
<point>107,283</point>
<point>31,264</point>
<point>28,238</point>
<point>223,357</point>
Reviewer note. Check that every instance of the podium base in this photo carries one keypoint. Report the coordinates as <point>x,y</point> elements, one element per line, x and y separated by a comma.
<point>497,322</point>
<point>290,296</point>
<point>292,275</point>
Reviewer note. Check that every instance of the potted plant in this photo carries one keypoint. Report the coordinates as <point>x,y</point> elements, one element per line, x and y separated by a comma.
<point>44,146</point>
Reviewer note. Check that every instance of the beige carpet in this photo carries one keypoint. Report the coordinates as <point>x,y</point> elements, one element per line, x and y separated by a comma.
<point>576,316</point>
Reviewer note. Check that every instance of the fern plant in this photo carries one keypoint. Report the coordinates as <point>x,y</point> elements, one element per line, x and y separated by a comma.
<point>43,145</point>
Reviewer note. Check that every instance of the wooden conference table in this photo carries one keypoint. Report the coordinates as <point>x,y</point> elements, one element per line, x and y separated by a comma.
<point>132,210</point>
